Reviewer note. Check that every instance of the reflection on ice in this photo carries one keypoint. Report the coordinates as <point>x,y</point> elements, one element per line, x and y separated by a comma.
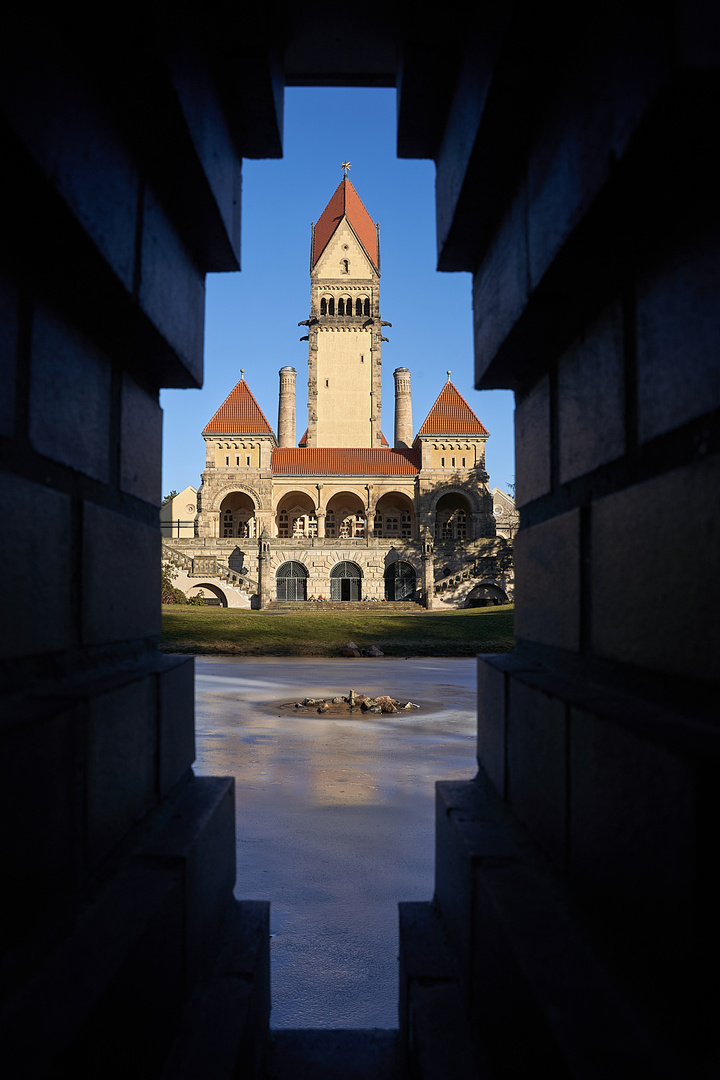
<point>334,815</point>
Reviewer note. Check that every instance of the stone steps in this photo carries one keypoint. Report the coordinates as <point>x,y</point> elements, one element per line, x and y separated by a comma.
<point>304,607</point>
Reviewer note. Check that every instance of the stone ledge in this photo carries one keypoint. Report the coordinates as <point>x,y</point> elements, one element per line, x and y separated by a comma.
<point>225,1026</point>
<point>531,982</point>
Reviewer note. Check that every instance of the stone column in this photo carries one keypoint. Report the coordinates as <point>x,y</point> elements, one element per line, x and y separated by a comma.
<point>403,409</point>
<point>264,572</point>
<point>428,565</point>
<point>286,407</point>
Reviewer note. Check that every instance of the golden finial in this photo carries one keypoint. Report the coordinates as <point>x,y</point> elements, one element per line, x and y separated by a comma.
<point>449,373</point>
<point>345,166</point>
<point>242,372</point>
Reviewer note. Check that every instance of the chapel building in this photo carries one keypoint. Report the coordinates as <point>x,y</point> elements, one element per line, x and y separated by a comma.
<point>341,515</point>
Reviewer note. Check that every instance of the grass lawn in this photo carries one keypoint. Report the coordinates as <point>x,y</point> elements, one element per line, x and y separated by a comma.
<point>256,633</point>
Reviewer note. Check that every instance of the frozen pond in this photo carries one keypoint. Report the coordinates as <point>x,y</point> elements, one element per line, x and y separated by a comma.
<point>335,816</point>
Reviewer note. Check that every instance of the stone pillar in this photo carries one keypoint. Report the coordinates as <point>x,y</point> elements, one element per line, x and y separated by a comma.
<point>264,573</point>
<point>286,407</point>
<point>428,565</point>
<point>403,409</point>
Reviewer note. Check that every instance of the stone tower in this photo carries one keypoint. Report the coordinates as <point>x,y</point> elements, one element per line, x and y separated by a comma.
<point>403,409</point>
<point>344,328</point>
<point>286,407</point>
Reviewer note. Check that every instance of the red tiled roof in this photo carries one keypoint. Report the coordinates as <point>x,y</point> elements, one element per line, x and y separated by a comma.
<point>323,461</point>
<point>239,414</point>
<point>345,201</point>
<point>451,415</point>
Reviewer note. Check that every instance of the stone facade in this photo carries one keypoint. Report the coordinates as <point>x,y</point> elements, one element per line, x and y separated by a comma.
<point>321,499</point>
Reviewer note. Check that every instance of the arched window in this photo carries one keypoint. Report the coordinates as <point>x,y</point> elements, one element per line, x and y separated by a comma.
<point>323,306</point>
<point>358,306</point>
<point>291,579</point>
<point>400,581</point>
<point>331,306</point>
<point>366,306</point>
<point>461,524</point>
<point>341,306</point>
<point>345,266</point>
<point>345,581</point>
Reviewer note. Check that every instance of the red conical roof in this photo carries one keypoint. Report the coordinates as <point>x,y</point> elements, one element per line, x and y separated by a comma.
<point>239,414</point>
<point>345,202</point>
<point>451,415</point>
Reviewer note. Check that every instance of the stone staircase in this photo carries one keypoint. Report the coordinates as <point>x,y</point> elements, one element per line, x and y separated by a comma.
<point>243,583</point>
<point>475,566</point>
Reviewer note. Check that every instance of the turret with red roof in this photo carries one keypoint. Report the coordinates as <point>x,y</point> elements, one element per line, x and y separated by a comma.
<point>452,437</point>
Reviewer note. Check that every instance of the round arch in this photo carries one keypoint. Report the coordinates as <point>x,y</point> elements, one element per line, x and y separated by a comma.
<point>291,581</point>
<point>345,515</point>
<point>208,586</point>
<point>453,517</point>
<point>218,497</point>
<point>394,516</point>
<point>400,581</point>
<point>486,594</point>
<point>473,499</point>
<point>346,581</point>
<point>296,489</point>
<point>295,515</point>
<point>237,516</point>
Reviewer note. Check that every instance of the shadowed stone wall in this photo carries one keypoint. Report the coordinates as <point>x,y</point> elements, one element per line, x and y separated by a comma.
<point>592,237</point>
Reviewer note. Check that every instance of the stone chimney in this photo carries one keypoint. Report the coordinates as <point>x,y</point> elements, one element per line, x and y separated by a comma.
<point>286,407</point>
<point>403,409</point>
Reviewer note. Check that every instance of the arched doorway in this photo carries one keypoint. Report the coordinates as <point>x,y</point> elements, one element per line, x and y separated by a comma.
<point>400,581</point>
<point>452,518</point>
<point>345,581</point>
<point>291,581</point>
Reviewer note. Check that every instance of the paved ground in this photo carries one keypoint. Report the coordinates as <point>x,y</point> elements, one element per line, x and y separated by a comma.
<point>335,816</point>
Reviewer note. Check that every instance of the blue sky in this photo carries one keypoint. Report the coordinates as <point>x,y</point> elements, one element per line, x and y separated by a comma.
<point>252,316</point>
